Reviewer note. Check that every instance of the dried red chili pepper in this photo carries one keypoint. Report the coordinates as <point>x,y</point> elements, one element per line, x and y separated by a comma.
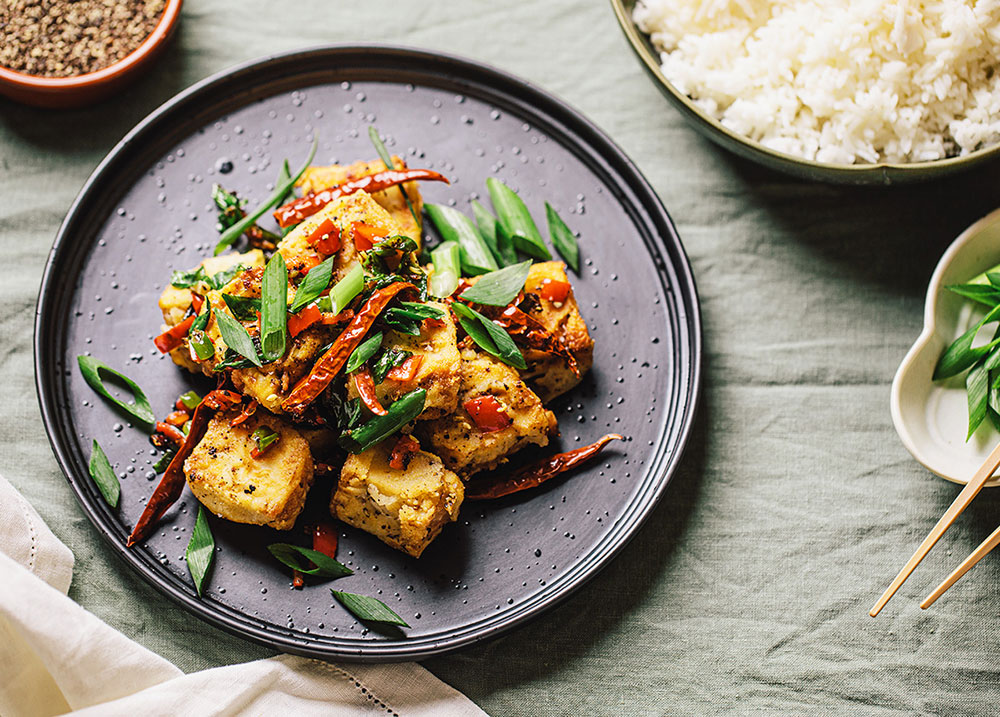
<point>529,332</point>
<point>402,453</point>
<point>325,539</point>
<point>174,336</point>
<point>248,410</point>
<point>170,431</point>
<point>488,414</point>
<point>554,290</point>
<point>306,206</point>
<point>365,384</point>
<point>326,237</point>
<point>406,371</point>
<point>297,323</point>
<point>172,483</point>
<point>534,475</point>
<point>330,363</point>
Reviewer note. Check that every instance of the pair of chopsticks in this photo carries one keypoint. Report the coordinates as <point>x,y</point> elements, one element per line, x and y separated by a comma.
<point>962,501</point>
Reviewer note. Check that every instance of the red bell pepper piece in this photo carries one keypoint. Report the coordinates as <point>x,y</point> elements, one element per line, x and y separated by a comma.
<point>554,290</point>
<point>326,238</point>
<point>488,414</point>
<point>325,539</point>
<point>297,323</point>
<point>174,336</point>
<point>407,370</point>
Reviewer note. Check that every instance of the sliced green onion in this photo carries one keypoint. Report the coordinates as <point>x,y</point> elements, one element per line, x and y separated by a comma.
<point>203,347</point>
<point>274,308</point>
<point>447,268</point>
<point>960,355</point>
<point>264,437</point>
<point>344,291</point>
<point>491,338</point>
<point>104,476</point>
<point>200,550</point>
<point>499,288</point>
<point>284,176</point>
<point>488,225</point>
<point>313,285</point>
<point>977,385</point>
<point>190,399</point>
<point>985,294</point>
<point>368,608</point>
<point>400,413</point>
<point>563,238</point>
<point>234,232</point>
<point>515,220</point>
<point>455,226</point>
<point>139,408</point>
<point>236,337</point>
<point>309,562</point>
<point>363,352</point>
<point>164,461</point>
<point>384,155</point>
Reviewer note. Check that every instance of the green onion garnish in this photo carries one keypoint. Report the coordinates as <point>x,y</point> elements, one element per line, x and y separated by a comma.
<point>139,408</point>
<point>515,220</point>
<point>200,549</point>
<point>491,338</point>
<point>236,337</point>
<point>202,345</point>
<point>960,355</point>
<point>489,228</point>
<point>264,437</point>
<point>447,269</point>
<point>244,308</point>
<point>234,232</point>
<point>190,399</point>
<point>284,175</point>
<point>384,155</point>
<point>104,476</point>
<point>363,352</point>
<point>368,608</point>
<point>498,288</point>
<point>563,238</point>
<point>313,285</point>
<point>344,291</point>
<point>404,410</point>
<point>310,562</point>
<point>164,460</point>
<point>390,359</point>
<point>455,226</point>
<point>273,308</point>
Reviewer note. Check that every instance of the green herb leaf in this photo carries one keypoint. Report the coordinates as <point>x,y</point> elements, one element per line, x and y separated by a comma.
<point>244,308</point>
<point>960,355</point>
<point>384,155</point>
<point>404,410</point>
<point>313,285</point>
<point>164,461</point>
<point>982,293</point>
<point>390,359</point>
<point>977,386</point>
<point>284,176</point>
<point>447,259</point>
<point>200,550</point>
<point>515,220</point>
<point>220,278</point>
<point>368,608</point>
<point>563,238</point>
<point>104,476</point>
<point>309,562</point>
<point>490,337</point>
<point>363,352</point>
<point>139,408</point>
<point>498,288</point>
<point>489,231</point>
<point>455,226</point>
<point>231,359</point>
<point>237,338</point>
<point>344,291</point>
<point>273,308</point>
<point>187,279</point>
<point>190,399</point>
<point>234,232</point>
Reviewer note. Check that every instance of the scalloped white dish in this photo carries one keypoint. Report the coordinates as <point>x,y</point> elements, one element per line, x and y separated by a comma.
<point>930,417</point>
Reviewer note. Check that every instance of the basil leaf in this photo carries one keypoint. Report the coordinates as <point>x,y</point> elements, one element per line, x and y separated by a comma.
<point>274,308</point>
<point>139,408</point>
<point>389,360</point>
<point>231,359</point>
<point>400,322</point>
<point>164,461</point>
<point>313,285</point>
<point>237,338</point>
<point>363,352</point>
<point>447,259</point>
<point>104,476</point>
<point>563,238</point>
<point>244,308</point>
<point>187,279</point>
<point>234,232</point>
<point>200,549</point>
<point>310,562</point>
<point>384,155</point>
<point>498,288</point>
<point>404,410</point>
<point>490,337</point>
<point>960,355</point>
<point>229,205</point>
<point>220,278</point>
<point>368,608</point>
<point>515,220</point>
<point>455,226</point>
<point>340,414</point>
<point>982,293</point>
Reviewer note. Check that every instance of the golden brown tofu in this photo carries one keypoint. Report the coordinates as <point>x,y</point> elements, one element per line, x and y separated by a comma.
<point>439,372</point>
<point>549,375</point>
<point>467,449</point>
<point>317,178</point>
<point>230,482</point>
<point>405,508</point>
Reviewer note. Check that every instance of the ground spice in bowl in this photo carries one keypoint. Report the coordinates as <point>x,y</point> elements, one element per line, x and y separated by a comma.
<point>64,38</point>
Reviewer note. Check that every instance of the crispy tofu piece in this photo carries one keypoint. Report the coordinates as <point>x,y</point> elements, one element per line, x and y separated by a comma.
<point>405,508</point>
<point>269,490</point>
<point>549,375</point>
<point>462,445</point>
<point>317,178</point>
<point>440,367</point>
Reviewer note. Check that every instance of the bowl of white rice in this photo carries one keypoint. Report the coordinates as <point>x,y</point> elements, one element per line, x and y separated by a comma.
<point>853,91</point>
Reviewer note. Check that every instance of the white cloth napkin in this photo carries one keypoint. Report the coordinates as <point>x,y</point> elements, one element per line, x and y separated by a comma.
<point>56,658</point>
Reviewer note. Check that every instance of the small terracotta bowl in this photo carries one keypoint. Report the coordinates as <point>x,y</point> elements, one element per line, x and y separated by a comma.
<point>80,90</point>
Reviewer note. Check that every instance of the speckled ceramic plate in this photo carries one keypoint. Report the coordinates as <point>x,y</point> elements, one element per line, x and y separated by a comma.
<point>146,211</point>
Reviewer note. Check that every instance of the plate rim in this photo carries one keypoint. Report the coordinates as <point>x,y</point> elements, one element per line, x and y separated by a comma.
<point>581,572</point>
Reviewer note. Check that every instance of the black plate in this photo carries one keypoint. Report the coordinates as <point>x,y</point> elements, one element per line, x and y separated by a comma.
<point>146,210</point>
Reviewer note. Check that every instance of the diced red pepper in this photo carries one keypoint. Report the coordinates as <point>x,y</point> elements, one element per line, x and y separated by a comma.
<point>174,336</point>
<point>433,323</point>
<point>307,263</point>
<point>178,418</point>
<point>366,390</point>
<point>297,323</point>
<point>298,581</point>
<point>171,432</point>
<point>402,453</point>
<point>365,235</point>
<point>325,539</point>
<point>334,319</point>
<point>407,370</point>
<point>488,414</point>
<point>196,302</point>
<point>326,237</point>
<point>554,290</point>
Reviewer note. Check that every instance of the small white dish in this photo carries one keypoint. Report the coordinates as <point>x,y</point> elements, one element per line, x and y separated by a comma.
<point>931,417</point>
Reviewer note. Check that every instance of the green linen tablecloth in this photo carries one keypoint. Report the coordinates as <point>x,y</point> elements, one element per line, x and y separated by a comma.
<point>795,503</point>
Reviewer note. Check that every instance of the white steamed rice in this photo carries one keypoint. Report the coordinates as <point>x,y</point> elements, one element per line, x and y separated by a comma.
<point>839,81</point>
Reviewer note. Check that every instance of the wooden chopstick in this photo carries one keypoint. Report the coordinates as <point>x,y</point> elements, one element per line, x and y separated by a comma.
<point>978,554</point>
<point>963,499</point>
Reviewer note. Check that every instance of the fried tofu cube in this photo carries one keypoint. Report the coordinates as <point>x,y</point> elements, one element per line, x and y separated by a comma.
<point>268,490</point>
<point>439,371</point>
<point>549,375</point>
<point>316,178</point>
<point>405,508</point>
<point>467,449</point>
